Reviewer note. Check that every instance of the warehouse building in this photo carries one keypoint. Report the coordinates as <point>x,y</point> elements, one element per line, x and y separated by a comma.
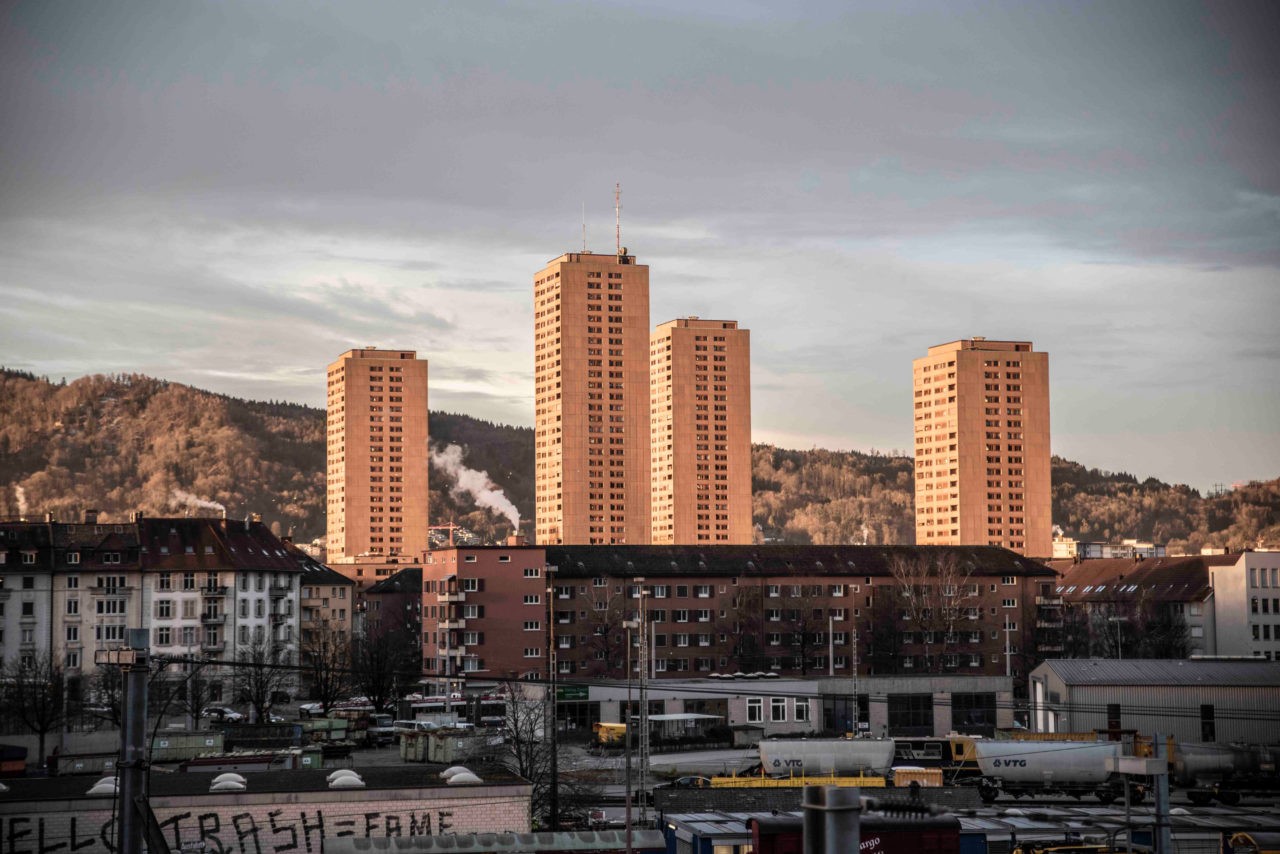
<point>1197,700</point>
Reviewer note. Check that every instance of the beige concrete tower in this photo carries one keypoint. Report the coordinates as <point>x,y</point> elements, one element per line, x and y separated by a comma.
<point>982,446</point>
<point>376,446</point>
<point>591,374</point>
<point>700,432</point>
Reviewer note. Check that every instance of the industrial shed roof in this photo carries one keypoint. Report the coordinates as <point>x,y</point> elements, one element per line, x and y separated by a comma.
<point>1165,671</point>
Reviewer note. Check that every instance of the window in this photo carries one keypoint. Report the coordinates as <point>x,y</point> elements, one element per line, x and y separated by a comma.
<point>532,625</point>
<point>532,652</point>
<point>802,710</point>
<point>73,659</point>
<point>164,636</point>
<point>73,634</point>
<point>778,709</point>
<point>529,572</point>
<point>1007,580</point>
<point>755,710</point>
<point>73,582</point>
<point>73,558</point>
<point>73,607</point>
<point>532,599</point>
<point>470,585</point>
<point>164,609</point>
<point>1009,603</point>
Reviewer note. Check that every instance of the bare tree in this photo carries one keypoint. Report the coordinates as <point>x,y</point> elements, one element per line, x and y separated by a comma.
<point>526,751</point>
<point>606,638</point>
<point>261,671</point>
<point>937,593</point>
<point>803,624</point>
<point>745,630</point>
<point>325,657</point>
<point>34,694</point>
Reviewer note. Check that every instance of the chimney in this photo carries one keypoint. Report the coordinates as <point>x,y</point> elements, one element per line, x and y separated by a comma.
<point>137,516</point>
<point>256,518</point>
<point>91,517</point>
<point>517,541</point>
<point>49,518</point>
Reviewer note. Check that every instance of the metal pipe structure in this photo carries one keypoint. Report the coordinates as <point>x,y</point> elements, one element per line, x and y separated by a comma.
<point>832,819</point>
<point>1163,834</point>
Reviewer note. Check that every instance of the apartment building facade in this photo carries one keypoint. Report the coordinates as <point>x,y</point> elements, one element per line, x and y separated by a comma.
<point>1246,597</point>
<point>494,613</point>
<point>700,432</point>
<point>591,375</point>
<point>377,458</point>
<point>982,446</point>
<point>206,588</point>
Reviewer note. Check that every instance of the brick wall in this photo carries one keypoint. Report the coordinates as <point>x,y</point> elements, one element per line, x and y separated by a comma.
<point>267,823</point>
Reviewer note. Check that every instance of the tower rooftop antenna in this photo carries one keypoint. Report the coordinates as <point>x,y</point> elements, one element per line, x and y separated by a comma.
<point>584,226</point>
<point>617,217</point>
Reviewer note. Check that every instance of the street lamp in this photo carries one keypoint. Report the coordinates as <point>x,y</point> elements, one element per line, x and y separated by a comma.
<point>1119,639</point>
<point>629,625</point>
<point>553,667</point>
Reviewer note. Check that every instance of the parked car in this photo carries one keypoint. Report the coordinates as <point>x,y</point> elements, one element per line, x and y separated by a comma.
<point>311,710</point>
<point>222,714</point>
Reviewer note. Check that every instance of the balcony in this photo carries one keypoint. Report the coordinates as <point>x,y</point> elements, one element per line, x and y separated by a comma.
<point>452,596</point>
<point>111,591</point>
<point>1049,647</point>
<point>212,646</point>
<point>212,590</point>
<point>276,619</point>
<point>278,591</point>
<point>1048,624</point>
<point>458,652</point>
<point>1051,601</point>
<point>452,623</point>
<point>213,619</point>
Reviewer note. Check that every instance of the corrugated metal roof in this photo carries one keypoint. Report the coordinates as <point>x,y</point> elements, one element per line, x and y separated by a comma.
<point>1164,671</point>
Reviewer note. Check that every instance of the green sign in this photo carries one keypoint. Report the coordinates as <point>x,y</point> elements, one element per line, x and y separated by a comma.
<point>572,692</point>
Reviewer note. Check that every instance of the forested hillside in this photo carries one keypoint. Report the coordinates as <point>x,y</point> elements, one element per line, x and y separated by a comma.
<point>125,443</point>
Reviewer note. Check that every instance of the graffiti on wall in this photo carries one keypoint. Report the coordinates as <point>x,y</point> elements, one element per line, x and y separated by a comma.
<point>264,830</point>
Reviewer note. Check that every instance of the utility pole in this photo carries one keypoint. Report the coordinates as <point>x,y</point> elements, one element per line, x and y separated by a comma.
<point>627,730</point>
<point>552,667</point>
<point>641,618</point>
<point>132,768</point>
<point>857,711</point>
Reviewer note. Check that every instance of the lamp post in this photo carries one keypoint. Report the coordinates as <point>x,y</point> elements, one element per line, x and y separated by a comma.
<point>629,625</point>
<point>1119,638</point>
<point>553,668</point>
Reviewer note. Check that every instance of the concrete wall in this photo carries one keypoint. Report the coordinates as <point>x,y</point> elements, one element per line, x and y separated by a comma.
<point>267,823</point>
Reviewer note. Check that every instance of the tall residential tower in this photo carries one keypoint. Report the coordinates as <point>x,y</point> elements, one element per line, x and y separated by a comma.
<point>700,432</point>
<point>982,446</point>
<point>376,447</point>
<point>591,371</point>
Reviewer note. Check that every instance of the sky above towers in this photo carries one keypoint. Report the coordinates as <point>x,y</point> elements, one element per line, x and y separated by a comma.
<point>232,194</point>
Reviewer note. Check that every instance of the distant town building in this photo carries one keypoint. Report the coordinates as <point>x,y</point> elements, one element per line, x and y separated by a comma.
<point>700,429</point>
<point>376,449</point>
<point>394,605</point>
<point>1139,607</point>
<point>1246,595</point>
<point>203,587</point>
<point>791,610</point>
<point>591,376</point>
<point>1068,548</point>
<point>982,446</point>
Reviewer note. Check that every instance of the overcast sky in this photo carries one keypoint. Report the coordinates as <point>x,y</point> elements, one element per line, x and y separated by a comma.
<point>231,194</point>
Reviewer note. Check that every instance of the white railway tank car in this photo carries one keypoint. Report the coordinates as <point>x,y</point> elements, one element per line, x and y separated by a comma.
<point>815,756</point>
<point>1072,768</point>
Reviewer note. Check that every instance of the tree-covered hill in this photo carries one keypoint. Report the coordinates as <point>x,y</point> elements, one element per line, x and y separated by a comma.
<point>124,443</point>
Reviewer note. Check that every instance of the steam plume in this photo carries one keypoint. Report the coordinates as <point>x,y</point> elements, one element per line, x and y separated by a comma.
<point>186,499</point>
<point>477,484</point>
<point>21,495</point>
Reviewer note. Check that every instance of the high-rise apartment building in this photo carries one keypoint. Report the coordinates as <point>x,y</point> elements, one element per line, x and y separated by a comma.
<point>982,446</point>
<point>591,369</point>
<point>700,432</point>
<point>376,446</point>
